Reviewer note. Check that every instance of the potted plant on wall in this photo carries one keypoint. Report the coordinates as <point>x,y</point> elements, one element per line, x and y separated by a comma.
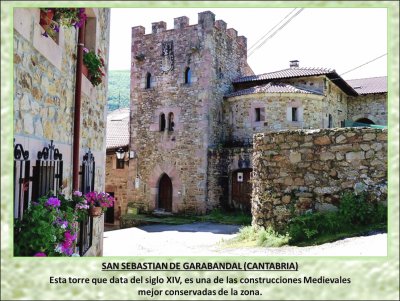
<point>93,66</point>
<point>98,202</point>
<point>52,18</point>
<point>48,228</point>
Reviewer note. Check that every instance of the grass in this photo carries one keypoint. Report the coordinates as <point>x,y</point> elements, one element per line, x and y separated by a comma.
<point>251,237</point>
<point>216,216</point>
<point>331,237</point>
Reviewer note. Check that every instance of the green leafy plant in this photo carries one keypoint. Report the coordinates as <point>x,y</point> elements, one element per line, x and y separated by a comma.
<point>354,213</point>
<point>250,237</point>
<point>48,228</point>
<point>95,65</point>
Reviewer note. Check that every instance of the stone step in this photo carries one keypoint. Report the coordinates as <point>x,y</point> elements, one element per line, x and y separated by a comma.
<point>161,212</point>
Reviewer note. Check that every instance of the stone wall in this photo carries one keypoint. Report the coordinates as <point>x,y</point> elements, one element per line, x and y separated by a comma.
<point>215,55</point>
<point>44,92</point>
<point>301,170</point>
<point>371,106</point>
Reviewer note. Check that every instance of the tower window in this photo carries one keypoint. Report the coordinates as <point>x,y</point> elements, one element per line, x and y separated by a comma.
<point>148,81</point>
<point>171,123</point>
<point>295,113</point>
<point>162,122</point>
<point>188,75</point>
<point>330,121</point>
<point>258,114</point>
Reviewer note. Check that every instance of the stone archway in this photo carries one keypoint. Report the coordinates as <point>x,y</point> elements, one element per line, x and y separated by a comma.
<point>365,120</point>
<point>177,190</point>
<point>365,117</point>
<point>165,192</point>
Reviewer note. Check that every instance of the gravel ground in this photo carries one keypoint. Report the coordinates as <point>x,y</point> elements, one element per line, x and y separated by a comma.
<point>203,239</point>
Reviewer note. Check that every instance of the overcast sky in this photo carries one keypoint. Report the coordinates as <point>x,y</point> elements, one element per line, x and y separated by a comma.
<point>336,38</point>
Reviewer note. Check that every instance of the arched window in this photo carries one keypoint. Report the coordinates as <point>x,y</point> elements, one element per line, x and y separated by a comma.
<point>188,75</point>
<point>162,122</point>
<point>171,123</point>
<point>330,121</point>
<point>148,81</point>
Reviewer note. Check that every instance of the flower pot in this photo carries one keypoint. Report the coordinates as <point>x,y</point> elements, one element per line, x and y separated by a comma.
<point>95,211</point>
<point>85,71</point>
<point>46,17</point>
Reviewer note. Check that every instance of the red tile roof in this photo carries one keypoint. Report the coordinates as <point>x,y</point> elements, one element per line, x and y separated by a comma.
<point>272,88</point>
<point>118,128</point>
<point>286,73</point>
<point>369,85</point>
<point>296,72</point>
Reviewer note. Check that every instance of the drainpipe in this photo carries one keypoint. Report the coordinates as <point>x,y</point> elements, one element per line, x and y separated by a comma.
<point>77,111</point>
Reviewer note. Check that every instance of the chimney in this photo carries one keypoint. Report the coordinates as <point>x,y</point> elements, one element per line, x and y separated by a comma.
<point>294,64</point>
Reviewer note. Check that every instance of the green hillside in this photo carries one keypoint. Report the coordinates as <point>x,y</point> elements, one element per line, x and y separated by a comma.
<point>118,89</point>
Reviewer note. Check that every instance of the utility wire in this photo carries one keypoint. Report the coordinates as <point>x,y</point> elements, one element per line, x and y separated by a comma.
<point>276,31</point>
<point>364,64</point>
<point>271,30</point>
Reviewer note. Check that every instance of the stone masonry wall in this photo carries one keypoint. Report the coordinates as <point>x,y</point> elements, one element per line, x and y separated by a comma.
<point>371,106</point>
<point>44,91</point>
<point>215,55</point>
<point>302,170</point>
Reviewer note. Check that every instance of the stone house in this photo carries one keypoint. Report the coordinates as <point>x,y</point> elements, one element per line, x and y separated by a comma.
<point>195,105</point>
<point>47,117</point>
<point>370,105</point>
<point>117,169</point>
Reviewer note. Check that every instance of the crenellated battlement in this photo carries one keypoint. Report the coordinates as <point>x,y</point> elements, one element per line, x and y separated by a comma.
<point>206,21</point>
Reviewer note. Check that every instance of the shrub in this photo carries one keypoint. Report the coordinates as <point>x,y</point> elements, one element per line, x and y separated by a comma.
<point>354,211</point>
<point>269,238</point>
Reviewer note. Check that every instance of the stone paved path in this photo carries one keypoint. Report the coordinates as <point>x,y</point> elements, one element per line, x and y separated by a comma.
<point>202,239</point>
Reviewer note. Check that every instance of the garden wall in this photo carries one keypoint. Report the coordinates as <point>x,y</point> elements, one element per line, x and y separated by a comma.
<point>296,171</point>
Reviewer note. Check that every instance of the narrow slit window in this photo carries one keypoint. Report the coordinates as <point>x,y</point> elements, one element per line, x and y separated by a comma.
<point>162,122</point>
<point>188,75</point>
<point>148,81</point>
<point>171,122</point>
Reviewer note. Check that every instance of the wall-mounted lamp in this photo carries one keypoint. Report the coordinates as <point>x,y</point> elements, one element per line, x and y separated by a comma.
<point>120,153</point>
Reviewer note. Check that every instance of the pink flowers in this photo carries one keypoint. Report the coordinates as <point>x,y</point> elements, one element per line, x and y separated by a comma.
<point>67,247</point>
<point>99,199</point>
<point>53,202</point>
<point>40,254</point>
<point>77,193</point>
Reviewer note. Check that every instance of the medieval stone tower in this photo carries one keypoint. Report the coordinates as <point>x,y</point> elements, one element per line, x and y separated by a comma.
<point>178,80</point>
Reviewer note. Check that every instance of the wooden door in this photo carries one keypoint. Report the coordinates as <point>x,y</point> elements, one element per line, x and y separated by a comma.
<point>165,193</point>
<point>241,189</point>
